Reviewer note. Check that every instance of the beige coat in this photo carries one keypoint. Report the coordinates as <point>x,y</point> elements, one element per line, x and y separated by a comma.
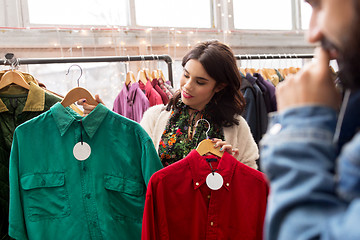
<point>239,136</point>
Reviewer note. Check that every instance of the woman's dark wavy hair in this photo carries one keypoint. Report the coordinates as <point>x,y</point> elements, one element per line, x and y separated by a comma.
<point>219,62</point>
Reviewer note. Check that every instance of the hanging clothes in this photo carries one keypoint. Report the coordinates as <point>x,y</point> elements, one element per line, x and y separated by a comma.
<point>281,78</point>
<point>255,112</point>
<point>131,102</point>
<point>17,105</point>
<point>153,96</point>
<point>169,86</point>
<point>269,92</point>
<point>156,86</point>
<point>180,205</point>
<point>165,88</point>
<point>263,89</point>
<point>55,196</point>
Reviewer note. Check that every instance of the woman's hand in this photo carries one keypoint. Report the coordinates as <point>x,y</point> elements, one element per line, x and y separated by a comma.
<point>225,147</point>
<point>87,107</point>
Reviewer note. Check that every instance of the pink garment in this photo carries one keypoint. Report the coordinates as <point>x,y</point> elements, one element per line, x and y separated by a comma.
<point>131,102</point>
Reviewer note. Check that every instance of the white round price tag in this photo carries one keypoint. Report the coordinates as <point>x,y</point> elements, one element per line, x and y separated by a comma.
<point>81,151</point>
<point>214,181</point>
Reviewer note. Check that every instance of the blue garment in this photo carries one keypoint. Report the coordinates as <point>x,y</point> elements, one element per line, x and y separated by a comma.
<point>315,192</point>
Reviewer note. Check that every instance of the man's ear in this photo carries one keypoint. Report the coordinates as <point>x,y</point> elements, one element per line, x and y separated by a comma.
<point>220,87</point>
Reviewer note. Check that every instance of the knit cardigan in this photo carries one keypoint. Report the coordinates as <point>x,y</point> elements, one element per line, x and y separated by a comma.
<point>239,136</point>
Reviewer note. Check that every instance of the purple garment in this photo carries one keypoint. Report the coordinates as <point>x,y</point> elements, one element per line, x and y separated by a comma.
<point>265,93</point>
<point>270,91</point>
<point>131,102</point>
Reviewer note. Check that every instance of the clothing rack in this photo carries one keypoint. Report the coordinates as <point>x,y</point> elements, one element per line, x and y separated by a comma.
<point>11,60</point>
<point>272,56</point>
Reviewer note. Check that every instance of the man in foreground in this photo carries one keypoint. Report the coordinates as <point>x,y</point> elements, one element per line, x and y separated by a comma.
<point>315,181</point>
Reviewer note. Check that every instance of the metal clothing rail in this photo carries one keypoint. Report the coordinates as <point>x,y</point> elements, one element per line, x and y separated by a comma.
<point>272,56</point>
<point>10,60</point>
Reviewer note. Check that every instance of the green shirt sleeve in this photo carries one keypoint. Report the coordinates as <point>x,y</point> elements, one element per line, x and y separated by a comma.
<point>150,160</point>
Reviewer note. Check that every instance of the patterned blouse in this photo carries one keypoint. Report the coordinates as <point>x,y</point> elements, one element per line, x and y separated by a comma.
<point>176,141</point>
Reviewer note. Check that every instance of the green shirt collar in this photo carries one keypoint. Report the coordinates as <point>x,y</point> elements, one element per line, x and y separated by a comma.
<point>64,117</point>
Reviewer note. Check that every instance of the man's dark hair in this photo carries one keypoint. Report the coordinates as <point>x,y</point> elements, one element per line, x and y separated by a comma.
<point>349,61</point>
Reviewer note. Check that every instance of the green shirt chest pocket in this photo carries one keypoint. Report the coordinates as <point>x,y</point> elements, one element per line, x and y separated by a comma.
<point>126,198</point>
<point>45,196</point>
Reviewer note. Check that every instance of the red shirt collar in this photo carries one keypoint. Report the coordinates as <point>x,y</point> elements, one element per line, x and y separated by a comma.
<point>200,168</point>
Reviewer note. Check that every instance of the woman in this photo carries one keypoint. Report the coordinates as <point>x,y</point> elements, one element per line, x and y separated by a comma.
<point>209,89</point>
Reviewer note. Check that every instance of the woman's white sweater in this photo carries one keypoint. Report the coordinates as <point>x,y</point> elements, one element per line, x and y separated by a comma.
<point>239,136</point>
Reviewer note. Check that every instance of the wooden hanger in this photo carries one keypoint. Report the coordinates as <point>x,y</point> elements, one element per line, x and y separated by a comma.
<point>206,145</point>
<point>141,77</point>
<point>130,78</point>
<point>148,74</point>
<point>13,77</point>
<point>242,70</point>
<point>78,93</point>
<point>292,70</point>
<point>155,74</point>
<point>161,74</point>
<point>264,73</point>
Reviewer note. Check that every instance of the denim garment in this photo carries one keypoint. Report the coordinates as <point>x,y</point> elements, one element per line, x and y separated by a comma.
<point>314,191</point>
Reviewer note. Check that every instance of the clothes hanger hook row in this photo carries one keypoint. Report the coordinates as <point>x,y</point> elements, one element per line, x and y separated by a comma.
<point>81,72</point>
<point>207,131</point>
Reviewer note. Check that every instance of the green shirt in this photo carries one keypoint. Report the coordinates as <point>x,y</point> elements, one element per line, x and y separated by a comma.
<point>55,196</point>
<point>17,105</point>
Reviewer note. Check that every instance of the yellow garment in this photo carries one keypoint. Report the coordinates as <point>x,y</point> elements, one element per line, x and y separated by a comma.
<point>29,78</point>
<point>35,100</point>
<point>35,97</point>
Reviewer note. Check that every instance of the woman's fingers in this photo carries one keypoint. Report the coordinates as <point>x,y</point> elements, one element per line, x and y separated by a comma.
<point>87,107</point>
<point>225,147</point>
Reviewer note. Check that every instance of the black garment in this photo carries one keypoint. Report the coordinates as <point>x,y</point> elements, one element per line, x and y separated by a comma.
<point>255,112</point>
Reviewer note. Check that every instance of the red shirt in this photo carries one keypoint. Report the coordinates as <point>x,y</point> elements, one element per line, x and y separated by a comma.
<point>179,204</point>
<point>153,96</point>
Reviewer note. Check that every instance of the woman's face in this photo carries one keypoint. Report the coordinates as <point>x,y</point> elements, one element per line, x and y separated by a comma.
<point>197,87</point>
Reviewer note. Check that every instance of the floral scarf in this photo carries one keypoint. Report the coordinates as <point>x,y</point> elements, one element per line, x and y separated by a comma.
<point>175,143</point>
